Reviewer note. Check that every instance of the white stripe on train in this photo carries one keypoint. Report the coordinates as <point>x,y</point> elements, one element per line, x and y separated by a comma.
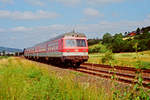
<point>58,54</point>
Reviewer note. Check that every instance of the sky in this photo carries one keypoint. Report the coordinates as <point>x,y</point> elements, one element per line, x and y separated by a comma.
<point>24,23</point>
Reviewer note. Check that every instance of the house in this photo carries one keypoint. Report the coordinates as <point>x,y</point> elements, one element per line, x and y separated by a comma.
<point>132,34</point>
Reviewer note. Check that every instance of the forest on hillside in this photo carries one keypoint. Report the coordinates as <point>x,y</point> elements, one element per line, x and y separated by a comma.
<point>127,42</point>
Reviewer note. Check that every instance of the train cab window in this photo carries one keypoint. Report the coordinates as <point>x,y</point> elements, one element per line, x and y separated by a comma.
<point>70,43</point>
<point>81,43</point>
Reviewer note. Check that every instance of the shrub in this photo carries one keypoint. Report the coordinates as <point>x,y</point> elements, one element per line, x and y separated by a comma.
<point>98,48</point>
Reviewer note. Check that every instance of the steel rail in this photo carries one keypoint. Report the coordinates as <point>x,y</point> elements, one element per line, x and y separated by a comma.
<point>121,77</point>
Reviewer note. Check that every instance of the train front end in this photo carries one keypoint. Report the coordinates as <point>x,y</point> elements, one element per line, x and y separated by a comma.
<point>75,49</point>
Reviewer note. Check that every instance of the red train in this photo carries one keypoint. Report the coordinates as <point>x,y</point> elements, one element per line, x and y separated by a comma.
<point>69,48</point>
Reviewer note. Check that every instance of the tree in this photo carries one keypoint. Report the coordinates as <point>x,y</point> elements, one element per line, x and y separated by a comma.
<point>107,38</point>
<point>4,52</point>
<point>118,43</point>
<point>93,41</point>
<point>148,44</point>
<point>138,31</point>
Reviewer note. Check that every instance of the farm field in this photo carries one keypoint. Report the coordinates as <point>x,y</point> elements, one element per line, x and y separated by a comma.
<point>21,79</point>
<point>123,59</point>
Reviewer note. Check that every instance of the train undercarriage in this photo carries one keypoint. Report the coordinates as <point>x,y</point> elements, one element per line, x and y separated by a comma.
<point>66,61</point>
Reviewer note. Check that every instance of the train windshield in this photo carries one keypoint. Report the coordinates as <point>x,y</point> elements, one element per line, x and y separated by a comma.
<point>75,43</point>
<point>81,43</point>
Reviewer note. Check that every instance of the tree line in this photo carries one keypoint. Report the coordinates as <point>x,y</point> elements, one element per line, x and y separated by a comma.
<point>124,42</point>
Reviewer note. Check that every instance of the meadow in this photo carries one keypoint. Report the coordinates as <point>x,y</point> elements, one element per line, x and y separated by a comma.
<point>1,57</point>
<point>21,79</point>
<point>123,59</point>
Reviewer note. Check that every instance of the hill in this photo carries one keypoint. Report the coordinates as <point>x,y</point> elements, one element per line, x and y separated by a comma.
<point>10,49</point>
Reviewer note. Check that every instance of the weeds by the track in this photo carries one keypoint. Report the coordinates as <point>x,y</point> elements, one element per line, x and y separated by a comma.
<point>24,80</point>
<point>137,91</point>
<point>2,57</point>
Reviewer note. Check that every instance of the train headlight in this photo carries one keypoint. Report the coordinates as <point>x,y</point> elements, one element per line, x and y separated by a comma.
<point>76,50</point>
<point>84,50</point>
<point>68,50</point>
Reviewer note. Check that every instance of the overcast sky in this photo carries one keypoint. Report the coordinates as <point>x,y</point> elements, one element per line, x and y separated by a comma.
<point>24,23</point>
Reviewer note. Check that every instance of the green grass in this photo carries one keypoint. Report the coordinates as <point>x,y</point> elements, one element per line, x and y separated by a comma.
<point>25,80</point>
<point>1,57</point>
<point>123,59</point>
<point>21,79</point>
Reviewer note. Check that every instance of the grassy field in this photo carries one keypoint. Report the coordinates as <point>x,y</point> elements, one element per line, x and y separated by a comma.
<point>1,57</point>
<point>21,79</point>
<point>123,59</point>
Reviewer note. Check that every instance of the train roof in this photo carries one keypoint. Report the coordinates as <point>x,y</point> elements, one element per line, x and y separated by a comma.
<point>68,35</point>
<point>64,35</point>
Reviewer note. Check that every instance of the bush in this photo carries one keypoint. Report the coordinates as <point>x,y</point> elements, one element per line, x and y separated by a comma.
<point>98,48</point>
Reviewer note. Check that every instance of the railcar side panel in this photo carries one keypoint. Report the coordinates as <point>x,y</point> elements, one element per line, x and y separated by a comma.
<point>68,48</point>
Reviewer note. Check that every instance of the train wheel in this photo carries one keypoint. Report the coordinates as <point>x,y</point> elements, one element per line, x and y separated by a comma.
<point>77,64</point>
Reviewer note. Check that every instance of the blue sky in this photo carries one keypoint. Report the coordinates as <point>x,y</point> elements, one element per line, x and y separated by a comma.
<point>24,23</point>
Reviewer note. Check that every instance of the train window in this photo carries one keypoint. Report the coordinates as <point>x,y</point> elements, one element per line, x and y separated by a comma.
<point>49,45</point>
<point>70,43</point>
<point>81,43</point>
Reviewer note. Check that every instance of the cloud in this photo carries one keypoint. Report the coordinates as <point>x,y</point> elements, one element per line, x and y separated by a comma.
<point>92,12</point>
<point>148,16</point>
<point>35,2</point>
<point>101,27</point>
<point>91,2</point>
<point>2,30</point>
<point>20,29</point>
<point>27,15</point>
<point>98,2</point>
<point>68,2</point>
<point>29,36</point>
<point>7,1</point>
<point>65,2</point>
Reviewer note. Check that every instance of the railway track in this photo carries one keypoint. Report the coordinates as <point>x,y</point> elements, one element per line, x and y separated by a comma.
<point>122,74</point>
